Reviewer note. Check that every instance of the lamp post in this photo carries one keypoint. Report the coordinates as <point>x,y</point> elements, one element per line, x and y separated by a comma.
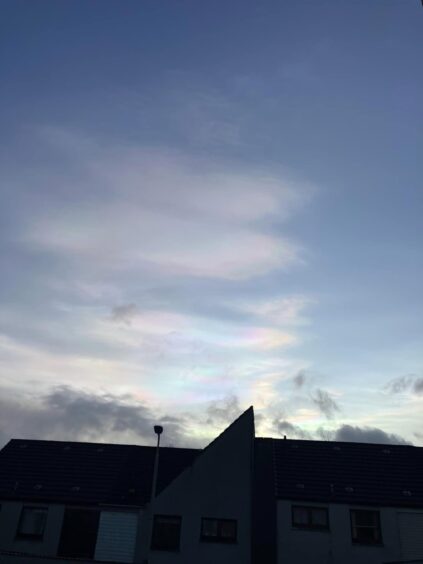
<point>158,429</point>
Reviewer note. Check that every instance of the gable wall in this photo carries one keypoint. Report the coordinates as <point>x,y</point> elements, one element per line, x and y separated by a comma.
<point>217,485</point>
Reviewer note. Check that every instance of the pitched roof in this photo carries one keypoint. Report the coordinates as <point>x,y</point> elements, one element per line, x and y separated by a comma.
<point>87,473</point>
<point>353,473</point>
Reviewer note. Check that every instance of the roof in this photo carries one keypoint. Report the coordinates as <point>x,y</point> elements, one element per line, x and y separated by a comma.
<point>353,473</point>
<point>86,473</point>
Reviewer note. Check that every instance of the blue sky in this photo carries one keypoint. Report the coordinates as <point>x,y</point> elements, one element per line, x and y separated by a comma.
<point>207,205</point>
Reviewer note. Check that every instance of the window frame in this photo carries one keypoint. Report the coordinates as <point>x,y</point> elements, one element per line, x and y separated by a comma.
<point>377,528</point>
<point>31,536</point>
<point>154,545</point>
<point>309,526</point>
<point>219,538</point>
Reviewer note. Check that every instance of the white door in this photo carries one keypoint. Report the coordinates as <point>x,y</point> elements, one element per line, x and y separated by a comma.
<point>116,536</point>
<point>411,535</point>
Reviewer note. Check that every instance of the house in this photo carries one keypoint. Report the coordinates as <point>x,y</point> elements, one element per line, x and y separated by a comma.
<point>242,499</point>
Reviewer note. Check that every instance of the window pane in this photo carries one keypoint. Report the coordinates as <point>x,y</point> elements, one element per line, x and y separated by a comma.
<point>166,532</point>
<point>228,529</point>
<point>300,516</point>
<point>365,526</point>
<point>209,527</point>
<point>319,517</point>
<point>32,521</point>
<point>366,534</point>
<point>365,518</point>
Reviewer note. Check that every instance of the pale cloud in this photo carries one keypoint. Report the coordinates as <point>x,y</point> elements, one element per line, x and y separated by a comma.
<point>176,215</point>
<point>147,263</point>
<point>283,311</point>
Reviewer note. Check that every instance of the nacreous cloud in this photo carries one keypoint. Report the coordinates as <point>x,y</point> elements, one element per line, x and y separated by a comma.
<point>135,209</point>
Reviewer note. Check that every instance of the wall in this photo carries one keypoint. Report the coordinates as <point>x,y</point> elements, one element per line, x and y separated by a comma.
<point>335,546</point>
<point>115,540</point>
<point>218,485</point>
<point>9,519</point>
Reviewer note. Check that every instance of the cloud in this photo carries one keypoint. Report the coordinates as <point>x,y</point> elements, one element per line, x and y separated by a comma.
<point>299,379</point>
<point>124,313</point>
<point>138,236</point>
<point>349,433</point>
<point>326,404</point>
<point>67,413</point>
<point>292,431</point>
<point>163,212</point>
<point>281,311</point>
<point>409,383</point>
<point>344,433</point>
<point>223,411</point>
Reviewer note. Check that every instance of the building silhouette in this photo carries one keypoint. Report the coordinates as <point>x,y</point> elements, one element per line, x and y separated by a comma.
<point>241,500</point>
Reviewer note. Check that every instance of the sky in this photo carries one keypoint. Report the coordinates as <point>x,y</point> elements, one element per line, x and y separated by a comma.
<point>206,206</point>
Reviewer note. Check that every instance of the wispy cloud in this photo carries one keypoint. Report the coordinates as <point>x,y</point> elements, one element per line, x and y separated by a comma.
<point>168,213</point>
<point>299,379</point>
<point>326,403</point>
<point>223,411</point>
<point>147,269</point>
<point>124,313</point>
<point>410,383</point>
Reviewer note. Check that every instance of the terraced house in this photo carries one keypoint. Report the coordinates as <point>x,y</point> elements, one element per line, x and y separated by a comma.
<point>241,500</point>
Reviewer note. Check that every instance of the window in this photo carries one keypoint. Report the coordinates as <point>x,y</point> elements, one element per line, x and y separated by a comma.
<point>166,532</point>
<point>32,522</point>
<point>79,533</point>
<point>310,517</point>
<point>365,526</point>
<point>218,530</point>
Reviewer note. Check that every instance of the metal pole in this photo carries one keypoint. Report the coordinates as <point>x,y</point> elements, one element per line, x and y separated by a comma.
<point>158,429</point>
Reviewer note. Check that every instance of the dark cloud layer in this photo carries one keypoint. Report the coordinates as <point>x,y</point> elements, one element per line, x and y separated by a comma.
<point>66,413</point>
<point>344,433</point>
<point>292,431</point>
<point>349,433</point>
<point>69,414</point>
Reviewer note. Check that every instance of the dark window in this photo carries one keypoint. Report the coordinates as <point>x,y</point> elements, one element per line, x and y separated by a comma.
<point>218,530</point>
<point>166,532</point>
<point>79,533</point>
<point>310,517</point>
<point>32,522</point>
<point>365,526</point>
